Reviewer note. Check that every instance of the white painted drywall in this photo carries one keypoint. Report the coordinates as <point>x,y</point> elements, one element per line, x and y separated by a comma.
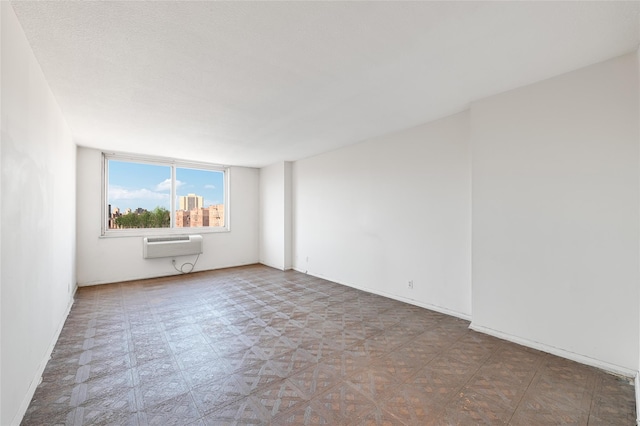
<point>272,215</point>
<point>288,215</point>
<point>637,378</point>
<point>555,214</point>
<point>393,209</point>
<point>38,220</point>
<point>114,259</point>
<point>275,215</point>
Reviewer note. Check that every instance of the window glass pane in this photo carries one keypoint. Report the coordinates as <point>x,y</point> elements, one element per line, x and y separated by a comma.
<point>199,198</point>
<point>138,195</point>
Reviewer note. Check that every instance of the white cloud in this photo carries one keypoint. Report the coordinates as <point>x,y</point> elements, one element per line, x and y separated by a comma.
<point>120,193</point>
<point>165,185</point>
<point>210,187</point>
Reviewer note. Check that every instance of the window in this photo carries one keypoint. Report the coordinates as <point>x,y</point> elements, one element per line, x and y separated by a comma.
<point>155,194</point>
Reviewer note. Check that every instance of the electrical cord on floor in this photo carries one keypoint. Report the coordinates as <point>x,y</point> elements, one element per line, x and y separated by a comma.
<point>193,265</point>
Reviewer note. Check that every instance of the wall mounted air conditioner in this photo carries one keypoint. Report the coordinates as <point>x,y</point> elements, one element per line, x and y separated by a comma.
<point>179,245</point>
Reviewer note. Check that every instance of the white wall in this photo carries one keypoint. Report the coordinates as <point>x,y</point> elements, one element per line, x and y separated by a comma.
<point>37,219</point>
<point>637,378</point>
<point>275,215</point>
<point>113,259</point>
<point>555,215</point>
<point>389,210</point>
<point>288,215</point>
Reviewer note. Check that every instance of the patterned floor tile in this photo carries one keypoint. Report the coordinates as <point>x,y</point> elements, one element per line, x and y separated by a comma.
<point>112,340</point>
<point>51,413</point>
<point>543,417</point>
<point>189,343</point>
<point>360,329</point>
<point>155,368</point>
<point>179,410</point>
<point>111,366</point>
<point>509,369</point>
<point>310,413</point>
<point>105,353</point>
<point>241,412</point>
<point>230,345</point>
<point>345,401</point>
<point>411,405</point>
<point>102,387</point>
<point>150,352</point>
<point>398,368</point>
<point>470,352</point>
<point>155,390</point>
<point>439,385</point>
<point>147,335</point>
<point>52,393</point>
<point>510,352</point>
<point>254,345</point>
<point>259,375</point>
<point>314,380</point>
<point>89,416</point>
<point>376,417</point>
<point>212,396</point>
<point>386,342</point>
<point>196,357</point>
<point>120,400</point>
<point>454,368</point>
<point>437,339</point>
<point>472,408</point>
<point>612,404</point>
<point>278,398</point>
<point>415,355</point>
<point>375,384</point>
<point>294,361</point>
<point>342,363</point>
<point>557,393</point>
<point>245,358</point>
<point>205,373</point>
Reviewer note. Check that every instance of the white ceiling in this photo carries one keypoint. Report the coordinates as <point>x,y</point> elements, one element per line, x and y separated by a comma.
<point>250,84</point>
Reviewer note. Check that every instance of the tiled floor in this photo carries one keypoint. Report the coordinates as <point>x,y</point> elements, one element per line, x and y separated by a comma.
<point>254,345</point>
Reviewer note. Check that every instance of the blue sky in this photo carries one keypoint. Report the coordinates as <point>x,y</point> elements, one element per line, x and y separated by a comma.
<point>133,185</point>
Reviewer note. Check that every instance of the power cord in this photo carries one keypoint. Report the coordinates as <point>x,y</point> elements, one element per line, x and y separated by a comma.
<point>181,270</point>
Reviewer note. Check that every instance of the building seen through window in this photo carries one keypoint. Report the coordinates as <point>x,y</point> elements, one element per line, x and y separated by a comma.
<point>141,195</point>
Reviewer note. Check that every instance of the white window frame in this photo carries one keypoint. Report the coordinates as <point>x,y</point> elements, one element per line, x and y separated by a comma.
<point>173,164</point>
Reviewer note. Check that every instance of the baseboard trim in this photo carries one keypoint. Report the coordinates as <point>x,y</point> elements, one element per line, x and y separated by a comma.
<point>603,365</point>
<point>43,364</point>
<point>162,275</point>
<point>279,268</point>
<point>414,302</point>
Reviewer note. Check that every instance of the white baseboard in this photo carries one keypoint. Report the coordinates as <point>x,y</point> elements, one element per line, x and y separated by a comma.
<point>603,365</point>
<point>38,376</point>
<point>278,267</point>
<point>429,306</point>
<point>159,275</point>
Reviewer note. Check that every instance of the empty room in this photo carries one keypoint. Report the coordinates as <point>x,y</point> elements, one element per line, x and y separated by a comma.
<point>342,213</point>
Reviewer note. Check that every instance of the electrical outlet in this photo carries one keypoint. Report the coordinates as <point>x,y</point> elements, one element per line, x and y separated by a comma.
<point>411,284</point>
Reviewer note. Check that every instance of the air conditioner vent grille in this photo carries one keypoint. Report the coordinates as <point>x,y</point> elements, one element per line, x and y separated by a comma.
<point>179,245</point>
<point>163,239</point>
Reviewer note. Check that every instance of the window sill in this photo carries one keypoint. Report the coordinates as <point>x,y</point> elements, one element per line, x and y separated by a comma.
<point>145,232</point>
